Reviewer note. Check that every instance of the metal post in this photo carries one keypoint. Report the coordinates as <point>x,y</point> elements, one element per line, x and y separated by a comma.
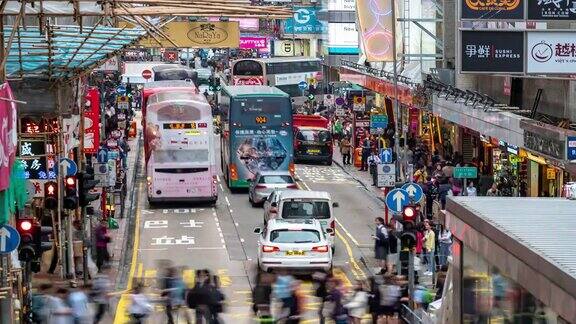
<point>82,167</point>
<point>188,57</point>
<point>396,100</point>
<point>411,273</point>
<point>59,180</point>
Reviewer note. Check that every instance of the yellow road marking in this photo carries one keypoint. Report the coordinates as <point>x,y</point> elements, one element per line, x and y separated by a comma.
<point>225,280</point>
<point>120,317</point>
<point>339,274</point>
<point>189,276</point>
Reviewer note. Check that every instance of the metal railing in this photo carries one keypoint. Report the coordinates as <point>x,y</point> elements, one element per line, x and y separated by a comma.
<point>409,316</point>
<point>379,73</point>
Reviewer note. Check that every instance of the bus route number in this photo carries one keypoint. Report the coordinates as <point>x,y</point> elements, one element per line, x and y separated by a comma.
<point>261,120</point>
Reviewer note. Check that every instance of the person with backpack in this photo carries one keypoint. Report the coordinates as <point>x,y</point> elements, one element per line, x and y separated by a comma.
<point>392,248</point>
<point>381,244</point>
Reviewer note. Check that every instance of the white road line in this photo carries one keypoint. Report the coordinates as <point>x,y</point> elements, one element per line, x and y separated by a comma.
<point>236,224</point>
<point>222,241</point>
<point>214,214</point>
<point>242,240</point>
<point>227,201</point>
<point>221,187</point>
<point>216,219</point>
<point>224,246</point>
<point>218,178</point>
<point>230,210</point>
<point>221,235</point>
<point>206,248</point>
<point>152,249</point>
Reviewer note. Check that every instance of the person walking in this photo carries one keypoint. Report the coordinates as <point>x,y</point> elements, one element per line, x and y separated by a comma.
<point>321,280</point>
<point>444,242</point>
<point>335,297</point>
<point>60,313</point>
<point>366,148</point>
<point>381,244</point>
<point>373,161</point>
<point>169,290</point>
<point>40,304</point>
<point>429,247</point>
<point>357,303</point>
<point>140,306</point>
<point>374,300</point>
<point>102,240</point>
<point>283,291</point>
<point>297,306</point>
<point>78,302</point>
<point>101,288</point>
<point>392,257</point>
<point>218,299</point>
<point>262,297</point>
<point>345,148</point>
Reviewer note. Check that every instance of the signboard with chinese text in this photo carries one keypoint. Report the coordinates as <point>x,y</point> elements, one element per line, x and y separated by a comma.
<point>571,147</point>
<point>110,65</point>
<point>195,34</point>
<point>304,21</point>
<point>92,122</point>
<point>545,145</point>
<point>246,24</point>
<point>551,52</point>
<point>492,51</point>
<point>465,172</point>
<point>378,124</point>
<point>8,135</point>
<point>493,9</point>
<point>552,10</point>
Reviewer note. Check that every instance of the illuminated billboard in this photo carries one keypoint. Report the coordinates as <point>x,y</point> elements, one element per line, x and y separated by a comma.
<point>375,19</point>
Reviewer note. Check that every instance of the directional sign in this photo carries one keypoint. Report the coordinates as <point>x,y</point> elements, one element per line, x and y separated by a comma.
<point>102,155</point>
<point>414,191</point>
<point>70,167</point>
<point>386,155</point>
<point>9,239</point>
<point>121,89</point>
<point>386,175</point>
<point>465,172</point>
<point>302,85</point>
<point>101,174</point>
<point>397,199</point>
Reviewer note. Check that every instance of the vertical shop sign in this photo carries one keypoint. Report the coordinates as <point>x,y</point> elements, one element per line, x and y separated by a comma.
<point>571,147</point>
<point>552,9</point>
<point>507,86</point>
<point>92,122</point>
<point>305,21</point>
<point>8,135</point>
<point>490,51</point>
<point>494,9</point>
<point>33,157</point>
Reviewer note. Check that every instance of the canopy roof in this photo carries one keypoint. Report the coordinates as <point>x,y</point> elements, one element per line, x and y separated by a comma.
<point>63,51</point>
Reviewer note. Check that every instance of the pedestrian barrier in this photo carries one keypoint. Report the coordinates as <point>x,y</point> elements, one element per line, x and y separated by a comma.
<point>409,315</point>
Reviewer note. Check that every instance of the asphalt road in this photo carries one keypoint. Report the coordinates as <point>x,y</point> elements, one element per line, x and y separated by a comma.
<point>220,238</point>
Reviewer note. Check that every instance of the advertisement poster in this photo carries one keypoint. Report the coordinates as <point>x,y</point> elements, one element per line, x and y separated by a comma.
<point>92,122</point>
<point>8,135</point>
<point>492,51</point>
<point>493,9</point>
<point>305,21</point>
<point>361,129</point>
<point>341,5</point>
<point>342,38</point>
<point>376,25</point>
<point>256,150</point>
<point>246,24</point>
<point>253,42</point>
<point>552,10</point>
<point>551,52</point>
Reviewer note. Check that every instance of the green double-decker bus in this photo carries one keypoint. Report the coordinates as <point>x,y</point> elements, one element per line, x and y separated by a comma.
<point>256,132</point>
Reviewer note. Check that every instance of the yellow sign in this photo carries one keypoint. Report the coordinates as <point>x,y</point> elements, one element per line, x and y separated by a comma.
<point>550,174</point>
<point>184,34</point>
<point>312,81</point>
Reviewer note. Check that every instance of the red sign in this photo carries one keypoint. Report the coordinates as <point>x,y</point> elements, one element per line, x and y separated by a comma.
<point>170,56</point>
<point>8,135</point>
<point>92,122</point>
<point>146,74</point>
<point>238,80</point>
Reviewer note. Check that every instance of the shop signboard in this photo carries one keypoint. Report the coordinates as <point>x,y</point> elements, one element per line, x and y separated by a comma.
<point>293,78</point>
<point>92,122</point>
<point>197,34</point>
<point>551,52</point>
<point>465,172</point>
<point>571,148</point>
<point>342,38</point>
<point>8,135</point>
<point>545,145</point>
<point>494,9</point>
<point>378,124</point>
<point>552,9</point>
<point>492,51</point>
<point>253,42</point>
<point>342,5</point>
<point>110,65</point>
<point>304,21</point>
<point>246,24</point>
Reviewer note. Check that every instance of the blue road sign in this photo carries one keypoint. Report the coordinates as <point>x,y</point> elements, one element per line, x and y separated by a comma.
<point>70,167</point>
<point>414,191</point>
<point>113,154</point>
<point>102,155</point>
<point>121,89</point>
<point>9,239</point>
<point>386,155</point>
<point>571,149</point>
<point>397,199</point>
<point>303,85</point>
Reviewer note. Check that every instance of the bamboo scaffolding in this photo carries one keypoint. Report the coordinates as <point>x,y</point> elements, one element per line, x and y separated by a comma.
<point>15,28</point>
<point>85,38</point>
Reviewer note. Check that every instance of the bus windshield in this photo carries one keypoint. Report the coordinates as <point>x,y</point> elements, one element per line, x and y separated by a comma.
<point>261,111</point>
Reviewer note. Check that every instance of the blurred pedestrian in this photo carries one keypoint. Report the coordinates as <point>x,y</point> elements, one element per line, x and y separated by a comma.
<point>262,297</point>
<point>429,247</point>
<point>218,299</point>
<point>444,242</point>
<point>200,298</point>
<point>78,302</point>
<point>321,280</point>
<point>357,303</point>
<point>102,240</point>
<point>493,191</point>
<point>283,290</point>
<point>345,149</point>
<point>60,313</point>
<point>392,256</point>
<point>374,300</point>
<point>101,288</point>
<point>297,306</point>
<point>381,244</point>
<point>390,298</point>
<point>169,291</point>
<point>40,304</point>
<point>335,297</point>
<point>140,306</point>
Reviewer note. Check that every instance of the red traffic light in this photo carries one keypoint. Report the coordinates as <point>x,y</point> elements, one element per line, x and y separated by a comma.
<point>26,225</point>
<point>410,213</point>
<point>70,182</point>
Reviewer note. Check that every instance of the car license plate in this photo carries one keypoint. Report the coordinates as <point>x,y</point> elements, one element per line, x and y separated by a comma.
<point>295,253</point>
<point>313,151</point>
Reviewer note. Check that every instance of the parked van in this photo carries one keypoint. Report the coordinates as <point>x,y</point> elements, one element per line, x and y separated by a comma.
<point>303,204</point>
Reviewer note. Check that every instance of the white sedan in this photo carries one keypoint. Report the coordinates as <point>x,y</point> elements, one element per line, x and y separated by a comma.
<point>295,245</point>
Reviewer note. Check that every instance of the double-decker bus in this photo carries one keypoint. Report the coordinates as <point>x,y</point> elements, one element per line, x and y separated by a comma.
<point>166,72</point>
<point>282,72</point>
<point>257,133</point>
<point>179,137</point>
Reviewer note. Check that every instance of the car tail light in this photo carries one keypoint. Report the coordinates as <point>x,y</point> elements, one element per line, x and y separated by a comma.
<point>291,168</point>
<point>233,172</point>
<point>333,227</point>
<point>270,249</point>
<point>273,210</point>
<point>322,249</point>
<point>292,186</point>
<point>214,179</point>
<point>260,186</point>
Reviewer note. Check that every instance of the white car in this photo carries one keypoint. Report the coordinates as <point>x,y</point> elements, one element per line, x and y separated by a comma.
<point>295,245</point>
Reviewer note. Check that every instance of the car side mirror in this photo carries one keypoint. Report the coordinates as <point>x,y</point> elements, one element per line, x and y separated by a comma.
<point>257,230</point>
<point>274,204</point>
<point>335,204</point>
<point>329,230</point>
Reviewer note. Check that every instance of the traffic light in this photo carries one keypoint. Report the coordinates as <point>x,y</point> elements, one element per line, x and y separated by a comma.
<point>51,195</point>
<point>71,194</point>
<point>26,250</point>
<point>217,85</point>
<point>86,183</point>
<point>40,245</point>
<point>410,214</point>
<point>311,97</point>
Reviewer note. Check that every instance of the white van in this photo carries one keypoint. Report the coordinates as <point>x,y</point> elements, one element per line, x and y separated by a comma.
<point>303,204</point>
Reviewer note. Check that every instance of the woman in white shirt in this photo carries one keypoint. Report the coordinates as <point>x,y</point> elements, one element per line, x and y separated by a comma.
<point>445,242</point>
<point>140,307</point>
<point>357,303</point>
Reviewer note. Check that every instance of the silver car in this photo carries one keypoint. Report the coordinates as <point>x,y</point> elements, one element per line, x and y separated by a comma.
<point>271,205</point>
<point>267,181</point>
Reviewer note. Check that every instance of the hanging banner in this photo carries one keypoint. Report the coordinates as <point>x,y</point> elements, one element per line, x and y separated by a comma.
<point>92,122</point>
<point>493,9</point>
<point>552,10</point>
<point>375,22</point>
<point>551,52</point>
<point>71,130</point>
<point>219,34</point>
<point>8,135</point>
<point>492,51</point>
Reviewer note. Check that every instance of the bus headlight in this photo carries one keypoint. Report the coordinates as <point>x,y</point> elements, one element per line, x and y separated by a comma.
<point>149,180</point>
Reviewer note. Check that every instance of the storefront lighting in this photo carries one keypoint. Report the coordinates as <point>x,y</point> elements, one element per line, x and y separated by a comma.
<point>535,158</point>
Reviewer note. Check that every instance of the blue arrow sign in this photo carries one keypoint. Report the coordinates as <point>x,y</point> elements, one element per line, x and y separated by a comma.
<point>102,155</point>
<point>121,89</point>
<point>9,239</point>
<point>70,167</point>
<point>386,155</point>
<point>302,85</point>
<point>397,199</point>
<point>414,191</point>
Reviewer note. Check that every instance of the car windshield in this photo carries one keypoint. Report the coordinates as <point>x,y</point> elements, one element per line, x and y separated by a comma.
<point>295,236</point>
<point>276,179</point>
<point>320,136</point>
<point>305,209</point>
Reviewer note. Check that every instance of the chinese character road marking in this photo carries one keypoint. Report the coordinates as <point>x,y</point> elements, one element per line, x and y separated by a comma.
<point>165,240</point>
<point>156,224</point>
<point>192,224</point>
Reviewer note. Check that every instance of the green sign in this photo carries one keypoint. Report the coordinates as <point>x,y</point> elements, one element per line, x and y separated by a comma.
<point>378,122</point>
<point>466,172</point>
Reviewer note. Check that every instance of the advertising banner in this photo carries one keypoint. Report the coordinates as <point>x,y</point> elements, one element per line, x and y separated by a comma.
<point>376,26</point>
<point>305,21</point>
<point>492,51</point>
<point>253,42</point>
<point>92,122</point>
<point>194,34</point>
<point>8,135</point>
<point>245,24</point>
<point>552,10</point>
<point>110,65</point>
<point>551,52</point>
<point>341,5</point>
<point>493,9</point>
<point>293,78</point>
<point>342,38</point>
<point>287,47</point>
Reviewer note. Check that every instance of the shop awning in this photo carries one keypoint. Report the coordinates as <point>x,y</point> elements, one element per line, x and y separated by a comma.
<point>62,51</point>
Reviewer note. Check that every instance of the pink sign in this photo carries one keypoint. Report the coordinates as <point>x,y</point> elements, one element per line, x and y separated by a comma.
<point>8,136</point>
<point>253,42</point>
<point>246,24</point>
